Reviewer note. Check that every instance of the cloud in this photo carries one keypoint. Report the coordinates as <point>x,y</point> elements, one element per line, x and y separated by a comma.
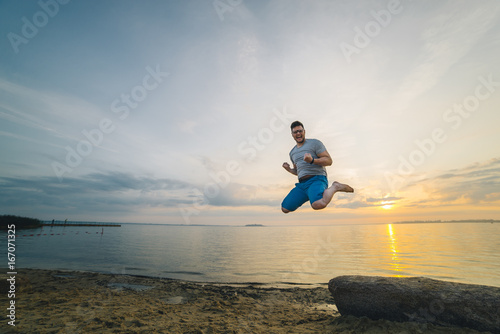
<point>110,192</point>
<point>23,138</point>
<point>359,201</point>
<point>477,184</point>
<point>353,204</point>
<point>50,112</point>
<point>236,194</point>
<point>382,199</point>
<point>118,193</point>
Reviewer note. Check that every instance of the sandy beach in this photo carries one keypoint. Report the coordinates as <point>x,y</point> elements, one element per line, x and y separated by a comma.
<point>50,301</point>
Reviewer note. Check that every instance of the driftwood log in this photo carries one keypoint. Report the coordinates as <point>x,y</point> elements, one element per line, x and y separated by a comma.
<point>418,299</point>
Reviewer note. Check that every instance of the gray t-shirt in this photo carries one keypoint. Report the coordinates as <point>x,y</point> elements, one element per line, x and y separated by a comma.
<point>314,147</point>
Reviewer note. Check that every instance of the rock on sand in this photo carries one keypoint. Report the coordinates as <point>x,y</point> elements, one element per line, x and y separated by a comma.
<point>418,299</point>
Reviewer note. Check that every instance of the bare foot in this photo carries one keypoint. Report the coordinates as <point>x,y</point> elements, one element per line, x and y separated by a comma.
<point>342,187</point>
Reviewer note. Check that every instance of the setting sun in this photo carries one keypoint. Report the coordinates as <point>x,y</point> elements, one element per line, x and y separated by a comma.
<point>387,205</point>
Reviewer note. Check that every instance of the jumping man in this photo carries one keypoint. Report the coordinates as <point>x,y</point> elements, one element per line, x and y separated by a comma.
<point>309,158</point>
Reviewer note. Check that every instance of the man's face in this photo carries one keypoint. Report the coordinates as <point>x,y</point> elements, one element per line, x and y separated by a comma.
<point>299,134</point>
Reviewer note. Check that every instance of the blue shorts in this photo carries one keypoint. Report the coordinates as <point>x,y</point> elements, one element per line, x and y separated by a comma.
<point>310,190</point>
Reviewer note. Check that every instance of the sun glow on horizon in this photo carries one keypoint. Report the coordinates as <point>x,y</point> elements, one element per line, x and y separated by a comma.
<point>386,205</point>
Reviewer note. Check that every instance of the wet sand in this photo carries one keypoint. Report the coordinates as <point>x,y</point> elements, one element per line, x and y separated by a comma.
<point>50,301</point>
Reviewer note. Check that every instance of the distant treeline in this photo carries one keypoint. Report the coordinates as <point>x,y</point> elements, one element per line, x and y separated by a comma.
<point>19,222</point>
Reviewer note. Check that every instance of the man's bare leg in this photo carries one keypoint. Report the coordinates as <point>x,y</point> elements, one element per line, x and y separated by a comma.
<point>328,194</point>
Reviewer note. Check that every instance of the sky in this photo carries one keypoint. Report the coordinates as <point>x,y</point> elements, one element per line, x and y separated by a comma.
<point>179,112</point>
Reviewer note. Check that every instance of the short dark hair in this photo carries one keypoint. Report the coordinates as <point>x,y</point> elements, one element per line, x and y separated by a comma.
<point>295,124</point>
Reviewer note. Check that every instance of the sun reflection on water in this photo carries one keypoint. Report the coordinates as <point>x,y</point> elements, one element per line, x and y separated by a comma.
<point>395,263</point>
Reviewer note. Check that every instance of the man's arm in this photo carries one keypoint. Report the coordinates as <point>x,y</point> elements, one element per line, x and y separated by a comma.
<point>324,159</point>
<point>293,170</point>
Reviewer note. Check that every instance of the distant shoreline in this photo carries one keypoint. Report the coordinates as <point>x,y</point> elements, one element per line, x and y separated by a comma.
<point>81,224</point>
<point>448,221</point>
<point>60,223</point>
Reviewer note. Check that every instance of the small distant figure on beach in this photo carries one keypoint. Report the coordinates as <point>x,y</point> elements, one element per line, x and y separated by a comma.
<point>309,158</point>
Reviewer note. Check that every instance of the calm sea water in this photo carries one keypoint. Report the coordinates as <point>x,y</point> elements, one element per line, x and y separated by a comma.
<point>461,252</point>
